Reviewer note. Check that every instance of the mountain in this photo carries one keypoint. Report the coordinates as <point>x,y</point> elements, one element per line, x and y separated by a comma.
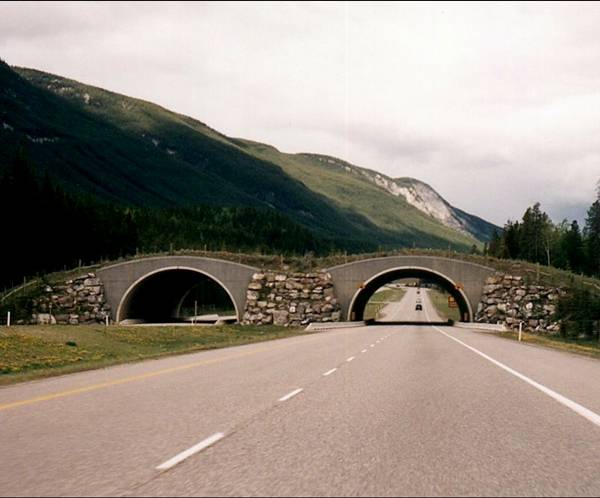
<point>388,205</point>
<point>134,152</point>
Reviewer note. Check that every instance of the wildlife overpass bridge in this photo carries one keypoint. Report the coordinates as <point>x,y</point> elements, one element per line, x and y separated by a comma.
<point>156,289</point>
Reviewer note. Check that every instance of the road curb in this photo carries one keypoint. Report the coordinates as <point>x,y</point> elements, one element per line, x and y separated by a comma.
<point>482,327</point>
<point>317,327</point>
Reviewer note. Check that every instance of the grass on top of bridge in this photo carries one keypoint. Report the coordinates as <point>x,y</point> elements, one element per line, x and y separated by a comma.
<point>31,352</point>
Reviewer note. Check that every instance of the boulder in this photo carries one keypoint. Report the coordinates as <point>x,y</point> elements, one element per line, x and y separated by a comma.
<point>280,317</point>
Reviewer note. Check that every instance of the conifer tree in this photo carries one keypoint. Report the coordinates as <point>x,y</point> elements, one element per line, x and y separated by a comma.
<point>592,236</point>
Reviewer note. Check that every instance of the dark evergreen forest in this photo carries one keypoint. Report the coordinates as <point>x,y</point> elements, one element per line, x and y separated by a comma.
<point>46,229</point>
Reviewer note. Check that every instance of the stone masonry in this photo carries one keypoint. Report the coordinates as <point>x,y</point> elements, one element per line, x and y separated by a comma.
<point>509,300</point>
<point>291,299</point>
<point>80,300</point>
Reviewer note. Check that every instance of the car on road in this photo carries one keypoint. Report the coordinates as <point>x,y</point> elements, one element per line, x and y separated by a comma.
<point>419,307</point>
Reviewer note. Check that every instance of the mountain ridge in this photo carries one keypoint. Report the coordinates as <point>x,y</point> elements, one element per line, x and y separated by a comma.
<point>129,150</point>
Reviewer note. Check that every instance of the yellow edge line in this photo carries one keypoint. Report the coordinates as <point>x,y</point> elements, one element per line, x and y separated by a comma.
<point>135,378</point>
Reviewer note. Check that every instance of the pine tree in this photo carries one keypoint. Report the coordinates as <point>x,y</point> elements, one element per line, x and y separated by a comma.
<point>592,236</point>
<point>511,240</point>
<point>535,236</point>
<point>495,245</point>
<point>572,247</point>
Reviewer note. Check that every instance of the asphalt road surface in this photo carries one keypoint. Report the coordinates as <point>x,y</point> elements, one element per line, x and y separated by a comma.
<point>405,309</point>
<point>385,410</point>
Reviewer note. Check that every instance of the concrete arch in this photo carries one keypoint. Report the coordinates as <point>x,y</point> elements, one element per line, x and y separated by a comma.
<point>363,294</point>
<point>350,278</point>
<point>120,279</point>
<point>122,304</point>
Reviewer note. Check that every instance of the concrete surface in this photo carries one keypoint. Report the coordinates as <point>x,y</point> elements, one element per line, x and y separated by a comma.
<point>385,411</point>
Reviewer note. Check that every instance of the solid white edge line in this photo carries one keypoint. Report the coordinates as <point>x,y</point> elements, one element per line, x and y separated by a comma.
<point>192,451</point>
<point>576,407</point>
<point>290,395</point>
<point>329,372</point>
<point>350,359</point>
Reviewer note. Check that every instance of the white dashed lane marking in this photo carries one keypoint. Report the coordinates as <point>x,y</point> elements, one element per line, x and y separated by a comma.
<point>290,395</point>
<point>192,451</point>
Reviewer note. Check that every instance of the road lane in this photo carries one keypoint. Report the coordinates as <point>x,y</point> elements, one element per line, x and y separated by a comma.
<point>422,417</point>
<point>405,309</point>
<point>416,414</point>
<point>114,437</point>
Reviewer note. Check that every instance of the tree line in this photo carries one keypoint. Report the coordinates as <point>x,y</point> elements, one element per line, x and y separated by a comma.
<point>564,245</point>
<point>45,228</point>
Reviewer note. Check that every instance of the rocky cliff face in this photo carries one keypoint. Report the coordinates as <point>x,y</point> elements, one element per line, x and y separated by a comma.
<point>427,200</point>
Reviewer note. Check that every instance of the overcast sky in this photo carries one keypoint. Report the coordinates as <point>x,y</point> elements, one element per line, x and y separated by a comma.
<point>497,106</point>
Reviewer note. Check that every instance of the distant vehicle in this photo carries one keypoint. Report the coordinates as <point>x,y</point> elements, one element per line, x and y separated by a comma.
<point>418,291</point>
<point>419,307</point>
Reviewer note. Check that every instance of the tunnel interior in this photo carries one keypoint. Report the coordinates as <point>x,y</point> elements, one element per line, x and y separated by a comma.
<point>357,310</point>
<point>174,296</point>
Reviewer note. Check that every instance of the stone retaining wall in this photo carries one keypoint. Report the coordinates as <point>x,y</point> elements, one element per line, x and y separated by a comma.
<point>80,300</point>
<point>291,299</point>
<point>297,299</point>
<point>508,300</point>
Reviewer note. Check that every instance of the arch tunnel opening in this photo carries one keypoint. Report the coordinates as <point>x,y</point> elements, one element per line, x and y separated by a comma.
<point>414,285</point>
<point>177,296</point>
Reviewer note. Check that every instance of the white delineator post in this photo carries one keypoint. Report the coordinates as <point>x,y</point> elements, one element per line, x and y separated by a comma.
<point>8,319</point>
<point>106,320</point>
<point>520,331</point>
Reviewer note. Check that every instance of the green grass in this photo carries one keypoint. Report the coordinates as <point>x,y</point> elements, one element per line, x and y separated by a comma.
<point>31,352</point>
<point>105,144</point>
<point>380,299</point>
<point>134,152</point>
<point>350,190</point>
<point>585,348</point>
<point>439,300</point>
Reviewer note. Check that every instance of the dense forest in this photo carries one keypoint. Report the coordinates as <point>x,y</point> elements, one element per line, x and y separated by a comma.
<point>47,229</point>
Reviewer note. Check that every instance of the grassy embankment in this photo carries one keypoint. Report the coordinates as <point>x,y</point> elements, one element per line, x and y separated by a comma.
<point>439,299</point>
<point>588,348</point>
<point>380,299</point>
<point>31,352</point>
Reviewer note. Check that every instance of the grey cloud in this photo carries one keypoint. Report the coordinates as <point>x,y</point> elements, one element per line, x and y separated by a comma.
<point>495,104</point>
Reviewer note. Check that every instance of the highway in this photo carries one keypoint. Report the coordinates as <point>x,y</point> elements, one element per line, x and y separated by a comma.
<point>383,410</point>
<point>405,309</point>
